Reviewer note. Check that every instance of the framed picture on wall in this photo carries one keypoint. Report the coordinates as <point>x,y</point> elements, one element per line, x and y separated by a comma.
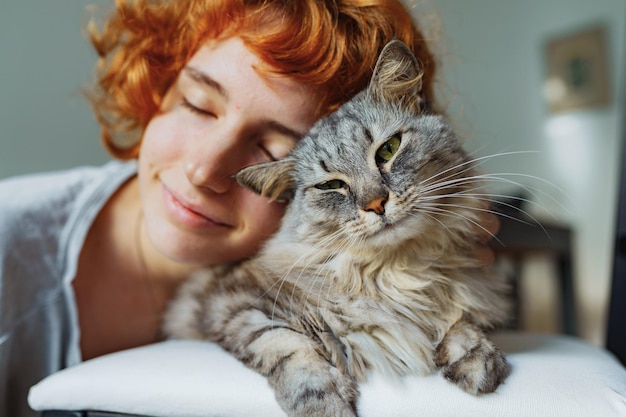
<point>577,70</point>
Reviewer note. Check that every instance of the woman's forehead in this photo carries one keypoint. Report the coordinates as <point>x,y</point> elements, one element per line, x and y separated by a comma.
<point>231,68</point>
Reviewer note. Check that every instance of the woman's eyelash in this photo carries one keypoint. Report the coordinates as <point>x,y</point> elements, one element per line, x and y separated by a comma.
<point>205,113</point>
<point>268,153</point>
<point>195,109</point>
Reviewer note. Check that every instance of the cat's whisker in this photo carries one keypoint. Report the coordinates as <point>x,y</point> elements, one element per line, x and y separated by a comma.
<point>482,159</point>
<point>449,213</point>
<point>306,255</point>
<point>322,246</point>
<point>535,222</point>
<point>468,164</point>
<point>282,281</point>
<point>502,177</point>
<point>484,178</point>
<point>319,247</point>
<point>496,198</point>
<point>499,199</point>
<point>487,197</point>
<point>487,177</point>
<point>435,179</point>
<point>452,183</point>
<point>471,164</point>
<point>493,200</point>
<point>343,244</point>
<point>267,291</point>
<point>452,179</point>
<point>534,191</point>
<point>432,217</point>
<point>329,271</point>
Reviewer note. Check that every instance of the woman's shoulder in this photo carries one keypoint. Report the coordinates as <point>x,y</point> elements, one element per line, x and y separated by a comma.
<point>48,185</point>
<point>44,191</point>
<point>45,202</point>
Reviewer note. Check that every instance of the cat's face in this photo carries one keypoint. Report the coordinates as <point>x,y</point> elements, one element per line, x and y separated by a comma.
<point>377,171</point>
<point>374,174</point>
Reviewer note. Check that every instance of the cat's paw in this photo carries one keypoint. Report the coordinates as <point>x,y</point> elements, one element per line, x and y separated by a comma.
<point>316,391</point>
<point>325,404</point>
<point>336,399</point>
<point>479,371</point>
<point>471,361</point>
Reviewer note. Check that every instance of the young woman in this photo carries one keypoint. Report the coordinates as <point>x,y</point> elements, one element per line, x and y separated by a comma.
<point>189,92</point>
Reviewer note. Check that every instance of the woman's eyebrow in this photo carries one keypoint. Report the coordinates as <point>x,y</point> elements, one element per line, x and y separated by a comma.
<point>282,129</point>
<point>204,78</point>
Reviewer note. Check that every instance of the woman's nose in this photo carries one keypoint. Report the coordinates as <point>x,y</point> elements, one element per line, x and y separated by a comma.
<point>211,162</point>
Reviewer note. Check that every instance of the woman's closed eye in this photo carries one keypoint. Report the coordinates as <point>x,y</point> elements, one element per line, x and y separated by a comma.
<point>274,146</point>
<point>267,154</point>
<point>196,109</point>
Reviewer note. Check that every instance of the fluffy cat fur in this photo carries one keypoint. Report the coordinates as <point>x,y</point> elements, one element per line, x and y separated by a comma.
<point>373,267</point>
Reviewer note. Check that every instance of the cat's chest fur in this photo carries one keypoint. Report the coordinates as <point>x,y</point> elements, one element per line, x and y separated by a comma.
<point>377,314</point>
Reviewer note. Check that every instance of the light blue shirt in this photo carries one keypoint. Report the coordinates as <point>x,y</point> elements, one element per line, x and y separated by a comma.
<point>44,219</point>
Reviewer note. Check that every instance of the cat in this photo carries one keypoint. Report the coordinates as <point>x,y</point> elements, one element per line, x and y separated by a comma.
<point>373,267</point>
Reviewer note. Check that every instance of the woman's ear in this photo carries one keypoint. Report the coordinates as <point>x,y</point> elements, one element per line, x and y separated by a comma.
<point>272,179</point>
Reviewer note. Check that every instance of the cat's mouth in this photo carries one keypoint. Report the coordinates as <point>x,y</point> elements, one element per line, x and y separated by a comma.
<point>392,230</point>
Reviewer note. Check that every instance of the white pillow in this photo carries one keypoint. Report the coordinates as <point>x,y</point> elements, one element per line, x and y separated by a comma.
<point>551,376</point>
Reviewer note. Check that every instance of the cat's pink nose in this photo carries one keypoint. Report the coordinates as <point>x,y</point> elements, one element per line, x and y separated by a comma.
<point>377,206</point>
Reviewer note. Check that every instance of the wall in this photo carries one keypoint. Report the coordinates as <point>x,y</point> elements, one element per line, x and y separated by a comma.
<point>45,61</point>
<point>493,72</point>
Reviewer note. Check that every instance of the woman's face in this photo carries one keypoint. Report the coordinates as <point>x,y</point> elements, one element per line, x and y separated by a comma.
<point>218,117</point>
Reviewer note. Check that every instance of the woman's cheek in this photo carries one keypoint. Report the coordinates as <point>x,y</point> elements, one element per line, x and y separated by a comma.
<point>263,214</point>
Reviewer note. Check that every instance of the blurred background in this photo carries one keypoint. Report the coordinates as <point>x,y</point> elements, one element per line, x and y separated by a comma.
<point>500,63</point>
<point>45,61</point>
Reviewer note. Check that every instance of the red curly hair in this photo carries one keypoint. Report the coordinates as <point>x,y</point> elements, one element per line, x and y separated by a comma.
<point>331,45</point>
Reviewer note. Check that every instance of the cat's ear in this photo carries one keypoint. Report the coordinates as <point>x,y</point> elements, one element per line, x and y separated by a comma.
<point>397,76</point>
<point>272,179</point>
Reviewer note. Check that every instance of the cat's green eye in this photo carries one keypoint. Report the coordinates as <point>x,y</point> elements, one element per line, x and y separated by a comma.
<point>388,149</point>
<point>331,185</point>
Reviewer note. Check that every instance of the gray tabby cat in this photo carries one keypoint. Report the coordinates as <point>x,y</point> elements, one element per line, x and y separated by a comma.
<point>373,267</point>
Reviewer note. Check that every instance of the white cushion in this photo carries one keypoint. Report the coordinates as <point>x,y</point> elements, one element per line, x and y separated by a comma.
<point>551,376</point>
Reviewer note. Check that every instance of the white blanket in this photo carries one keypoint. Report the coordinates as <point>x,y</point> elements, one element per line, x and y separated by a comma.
<point>551,376</point>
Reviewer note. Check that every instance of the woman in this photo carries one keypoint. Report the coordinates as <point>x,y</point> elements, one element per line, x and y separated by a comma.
<point>194,90</point>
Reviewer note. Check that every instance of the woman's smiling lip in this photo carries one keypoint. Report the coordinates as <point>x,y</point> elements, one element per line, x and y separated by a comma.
<point>188,214</point>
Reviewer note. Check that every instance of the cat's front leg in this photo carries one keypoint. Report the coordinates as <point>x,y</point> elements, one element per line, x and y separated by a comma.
<point>296,365</point>
<point>231,311</point>
<point>305,383</point>
<point>469,359</point>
